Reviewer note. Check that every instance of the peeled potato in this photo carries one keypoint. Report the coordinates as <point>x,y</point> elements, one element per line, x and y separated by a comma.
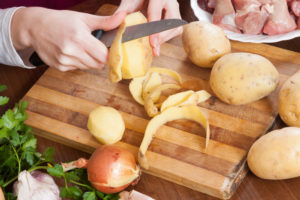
<point>132,58</point>
<point>204,43</point>
<point>106,125</point>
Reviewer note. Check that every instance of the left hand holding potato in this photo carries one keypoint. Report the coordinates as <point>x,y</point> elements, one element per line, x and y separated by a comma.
<point>157,10</point>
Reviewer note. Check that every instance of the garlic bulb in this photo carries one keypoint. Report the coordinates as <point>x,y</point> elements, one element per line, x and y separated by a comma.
<point>35,186</point>
<point>134,195</point>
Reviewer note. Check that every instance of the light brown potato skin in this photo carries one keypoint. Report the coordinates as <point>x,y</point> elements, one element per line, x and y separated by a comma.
<point>289,101</point>
<point>241,78</point>
<point>276,155</point>
<point>204,43</point>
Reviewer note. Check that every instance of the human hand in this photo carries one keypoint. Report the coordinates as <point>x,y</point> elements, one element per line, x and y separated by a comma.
<point>63,39</point>
<point>157,10</point>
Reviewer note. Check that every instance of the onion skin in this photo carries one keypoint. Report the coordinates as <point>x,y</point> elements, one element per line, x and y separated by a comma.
<point>110,163</point>
<point>1,194</point>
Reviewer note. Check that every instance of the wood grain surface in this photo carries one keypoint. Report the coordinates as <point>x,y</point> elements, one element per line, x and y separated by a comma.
<point>59,104</point>
<point>19,80</point>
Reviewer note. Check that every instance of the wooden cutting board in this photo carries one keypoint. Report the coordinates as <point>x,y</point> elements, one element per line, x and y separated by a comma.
<point>60,102</point>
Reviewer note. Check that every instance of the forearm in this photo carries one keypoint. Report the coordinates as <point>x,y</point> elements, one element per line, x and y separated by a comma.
<point>8,54</point>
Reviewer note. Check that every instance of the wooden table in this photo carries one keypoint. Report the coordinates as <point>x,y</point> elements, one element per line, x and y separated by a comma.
<point>20,80</point>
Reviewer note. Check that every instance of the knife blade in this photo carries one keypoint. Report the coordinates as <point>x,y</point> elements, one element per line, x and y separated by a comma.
<point>140,30</point>
<point>131,33</point>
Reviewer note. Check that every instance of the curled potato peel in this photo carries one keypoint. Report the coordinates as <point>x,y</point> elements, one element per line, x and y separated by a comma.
<point>193,113</point>
<point>168,72</point>
<point>150,83</point>
<point>140,87</point>
<point>150,107</point>
<point>185,98</point>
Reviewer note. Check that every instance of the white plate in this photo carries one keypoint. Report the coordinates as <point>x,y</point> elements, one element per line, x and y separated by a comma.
<point>205,16</point>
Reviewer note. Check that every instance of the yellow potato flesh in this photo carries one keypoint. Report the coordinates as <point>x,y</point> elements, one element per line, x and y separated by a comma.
<point>106,125</point>
<point>193,113</point>
<point>137,53</point>
<point>185,98</point>
<point>168,72</point>
<point>133,58</point>
<point>116,57</point>
<point>149,84</point>
<point>136,89</point>
<point>150,107</point>
<point>140,87</point>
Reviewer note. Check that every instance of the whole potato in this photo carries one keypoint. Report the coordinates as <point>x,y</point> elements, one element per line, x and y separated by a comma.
<point>204,43</point>
<point>276,155</point>
<point>241,78</point>
<point>289,101</point>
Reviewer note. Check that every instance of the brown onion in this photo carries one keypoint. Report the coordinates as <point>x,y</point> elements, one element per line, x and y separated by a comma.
<point>1,194</point>
<point>111,169</point>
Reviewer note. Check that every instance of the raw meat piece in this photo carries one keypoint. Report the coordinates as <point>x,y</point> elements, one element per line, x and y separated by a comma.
<point>251,15</point>
<point>280,20</point>
<point>212,3</point>
<point>203,4</point>
<point>224,15</point>
<point>295,7</point>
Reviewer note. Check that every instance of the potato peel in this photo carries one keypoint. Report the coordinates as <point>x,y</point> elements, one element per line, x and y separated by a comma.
<point>136,89</point>
<point>185,98</point>
<point>150,107</point>
<point>140,87</point>
<point>193,113</point>
<point>168,72</point>
<point>116,57</point>
<point>150,83</point>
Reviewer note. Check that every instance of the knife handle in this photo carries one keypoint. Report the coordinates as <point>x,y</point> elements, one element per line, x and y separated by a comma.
<point>37,61</point>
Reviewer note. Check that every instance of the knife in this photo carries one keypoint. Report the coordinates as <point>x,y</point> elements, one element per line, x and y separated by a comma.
<point>131,33</point>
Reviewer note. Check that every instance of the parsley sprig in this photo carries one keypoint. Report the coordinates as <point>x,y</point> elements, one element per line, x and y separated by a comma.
<point>18,153</point>
<point>18,146</point>
<point>77,185</point>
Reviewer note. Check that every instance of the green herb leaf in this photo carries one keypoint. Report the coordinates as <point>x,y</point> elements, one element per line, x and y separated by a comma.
<point>100,194</point>
<point>8,119</point>
<point>72,175</point>
<point>63,192</point>
<point>75,192</point>
<point>89,196</point>
<point>3,100</point>
<point>15,138</point>
<point>28,155</point>
<point>111,197</point>
<point>2,88</point>
<point>3,134</point>
<point>48,154</point>
<point>31,143</point>
<point>10,196</point>
<point>56,171</point>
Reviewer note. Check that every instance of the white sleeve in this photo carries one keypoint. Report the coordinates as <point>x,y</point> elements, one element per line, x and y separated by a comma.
<point>8,54</point>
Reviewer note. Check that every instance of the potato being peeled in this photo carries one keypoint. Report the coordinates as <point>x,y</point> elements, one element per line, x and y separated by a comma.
<point>289,104</point>
<point>106,125</point>
<point>276,155</point>
<point>204,43</point>
<point>133,58</point>
<point>241,78</point>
